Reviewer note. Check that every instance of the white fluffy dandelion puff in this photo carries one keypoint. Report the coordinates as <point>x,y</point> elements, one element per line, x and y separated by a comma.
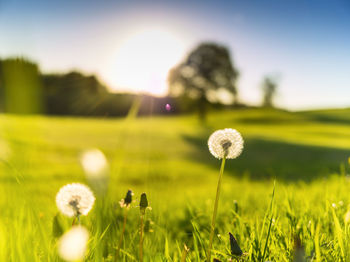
<point>72,245</point>
<point>75,200</point>
<point>226,143</point>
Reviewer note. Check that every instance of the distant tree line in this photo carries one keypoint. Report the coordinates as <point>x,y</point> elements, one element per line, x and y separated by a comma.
<point>23,89</point>
<point>205,79</point>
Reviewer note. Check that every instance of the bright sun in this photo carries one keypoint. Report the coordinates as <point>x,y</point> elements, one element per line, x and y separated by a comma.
<point>143,60</point>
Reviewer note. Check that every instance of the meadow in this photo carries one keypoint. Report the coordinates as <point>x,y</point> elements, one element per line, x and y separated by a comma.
<point>302,157</point>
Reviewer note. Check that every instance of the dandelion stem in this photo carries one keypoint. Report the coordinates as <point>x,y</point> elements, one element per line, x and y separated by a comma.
<point>141,236</point>
<point>75,219</point>
<point>215,209</point>
<point>122,234</point>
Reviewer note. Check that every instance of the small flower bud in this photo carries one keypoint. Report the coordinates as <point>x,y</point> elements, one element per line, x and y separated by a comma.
<point>143,202</point>
<point>128,198</point>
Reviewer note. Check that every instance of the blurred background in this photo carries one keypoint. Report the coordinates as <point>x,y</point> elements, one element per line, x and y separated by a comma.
<point>278,71</point>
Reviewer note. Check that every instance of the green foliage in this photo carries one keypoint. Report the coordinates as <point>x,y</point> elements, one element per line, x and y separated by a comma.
<point>57,228</point>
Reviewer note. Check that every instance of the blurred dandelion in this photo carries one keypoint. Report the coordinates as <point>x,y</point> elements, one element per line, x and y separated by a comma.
<point>96,168</point>
<point>75,200</point>
<point>94,162</point>
<point>72,245</point>
<point>226,143</point>
<point>223,144</point>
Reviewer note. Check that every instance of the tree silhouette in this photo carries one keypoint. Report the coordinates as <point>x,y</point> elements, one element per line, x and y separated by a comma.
<point>269,88</point>
<point>206,75</point>
<point>72,93</point>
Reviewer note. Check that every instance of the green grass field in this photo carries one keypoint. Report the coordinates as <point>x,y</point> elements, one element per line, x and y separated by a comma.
<point>168,158</point>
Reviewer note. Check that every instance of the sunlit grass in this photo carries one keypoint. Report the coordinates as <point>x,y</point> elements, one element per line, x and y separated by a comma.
<point>168,159</point>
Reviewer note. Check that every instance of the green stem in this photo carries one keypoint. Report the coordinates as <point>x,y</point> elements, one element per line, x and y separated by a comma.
<point>141,237</point>
<point>184,254</point>
<point>267,239</point>
<point>215,209</point>
<point>270,210</point>
<point>76,218</point>
<point>122,235</point>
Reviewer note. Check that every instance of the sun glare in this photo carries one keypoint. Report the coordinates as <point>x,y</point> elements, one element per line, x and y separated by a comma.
<point>141,63</point>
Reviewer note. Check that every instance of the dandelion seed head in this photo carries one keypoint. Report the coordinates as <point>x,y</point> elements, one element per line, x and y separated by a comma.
<point>72,245</point>
<point>75,199</point>
<point>226,143</point>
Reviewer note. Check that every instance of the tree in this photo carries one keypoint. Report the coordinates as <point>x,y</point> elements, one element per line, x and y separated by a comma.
<point>206,75</point>
<point>20,87</point>
<point>269,88</point>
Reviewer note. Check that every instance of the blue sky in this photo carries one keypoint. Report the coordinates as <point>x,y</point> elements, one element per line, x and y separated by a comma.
<point>305,42</point>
